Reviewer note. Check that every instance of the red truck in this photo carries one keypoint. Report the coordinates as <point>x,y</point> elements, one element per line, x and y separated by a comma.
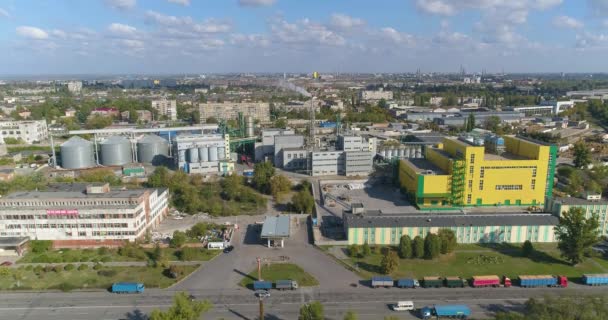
<point>490,281</point>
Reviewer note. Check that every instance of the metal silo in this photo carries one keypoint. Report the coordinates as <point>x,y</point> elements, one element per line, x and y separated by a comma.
<point>182,155</point>
<point>383,153</point>
<point>221,153</point>
<point>115,151</point>
<point>249,129</point>
<point>203,154</point>
<point>152,149</point>
<point>401,151</point>
<point>77,153</point>
<point>193,155</point>
<point>212,154</point>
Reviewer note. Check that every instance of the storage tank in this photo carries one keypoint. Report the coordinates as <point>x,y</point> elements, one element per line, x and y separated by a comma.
<point>408,153</point>
<point>401,151</point>
<point>249,129</point>
<point>115,151</point>
<point>193,155</point>
<point>77,153</point>
<point>182,156</point>
<point>221,153</point>
<point>203,154</point>
<point>418,152</point>
<point>213,154</point>
<point>152,149</point>
<point>383,153</point>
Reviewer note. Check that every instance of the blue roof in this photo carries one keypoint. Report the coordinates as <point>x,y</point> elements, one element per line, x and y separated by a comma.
<point>276,227</point>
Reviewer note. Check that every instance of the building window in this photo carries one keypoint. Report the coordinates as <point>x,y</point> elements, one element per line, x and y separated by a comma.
<point>509,187</point>
<point>471,169</point>
<point>469,199</point>
<point>482,171</point>
<point>480,184</point>
<point>472,159</point>
<point>533,184</point>
<point>534,173</point>
<point>470,184</point>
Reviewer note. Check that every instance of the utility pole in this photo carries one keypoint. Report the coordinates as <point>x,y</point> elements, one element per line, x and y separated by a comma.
<point>261,308</point>
<point>259,260</point>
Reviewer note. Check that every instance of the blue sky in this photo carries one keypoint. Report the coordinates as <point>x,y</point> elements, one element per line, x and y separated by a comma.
<point>200,36</point>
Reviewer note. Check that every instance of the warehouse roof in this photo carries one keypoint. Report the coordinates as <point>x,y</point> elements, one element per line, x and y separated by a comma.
<point>276,227</point>
<point>580,201</point>
<point>376,219</point>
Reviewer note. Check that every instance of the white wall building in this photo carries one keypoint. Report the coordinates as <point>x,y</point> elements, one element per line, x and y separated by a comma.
<point>166,108</point>
<point>370,95</point>
<point>29,131</point>
<point>230,110</point>
<point>202,153</point>
<point>75,86</point>
<point>82,214</point>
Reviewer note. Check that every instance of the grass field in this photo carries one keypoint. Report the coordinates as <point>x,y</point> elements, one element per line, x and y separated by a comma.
<point>281,271</point>
<point>91,255</point>
<point>21,279</point>
<point>469,260</point>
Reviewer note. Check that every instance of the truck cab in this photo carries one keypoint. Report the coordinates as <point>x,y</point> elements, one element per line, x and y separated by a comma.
<point>506,281</point>
<point>403,306</point>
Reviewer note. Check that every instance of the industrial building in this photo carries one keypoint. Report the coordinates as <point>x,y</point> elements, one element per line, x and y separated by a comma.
<point>282,142</point>
<point>265,150</point>
<point>230,110</point>
<point>591,205</point>
<point>167,108</point>
<point>509,171</point>
<point>207,153</point>
<point>370,95</point>
<point>29,131</point>
<point>80,214</point>
<point>377,228</point>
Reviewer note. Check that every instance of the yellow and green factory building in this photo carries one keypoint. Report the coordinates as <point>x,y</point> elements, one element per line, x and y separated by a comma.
<point>470,172</point>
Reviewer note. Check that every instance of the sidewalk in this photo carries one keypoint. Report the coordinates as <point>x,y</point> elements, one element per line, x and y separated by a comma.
<point>110,264</point>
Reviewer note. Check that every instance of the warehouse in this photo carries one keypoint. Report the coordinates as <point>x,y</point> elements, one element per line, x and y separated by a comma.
<point>375,227</point>
<point>509,171</point>
<point>80,214</point>
<point>591,205</point>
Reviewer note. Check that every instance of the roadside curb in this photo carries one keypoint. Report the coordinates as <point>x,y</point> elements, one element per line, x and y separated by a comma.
<point>191,273</point>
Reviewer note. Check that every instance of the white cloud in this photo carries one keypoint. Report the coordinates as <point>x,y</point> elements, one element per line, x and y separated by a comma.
<point>122,29</point>
<point>4,13</point>
<point>439,7</point>
<point>186,25</point>
<point>305,32</point>
<point>250,40</point>
<point>342,21</point>
<point>121,4</point>
<point>588,40</point>
<point>598,7</point>
<point>567,22</point>
<point>256,3</point>
<point>180,2</point>
<point>59,33</point>
<point>396,36</point>
<point>32,33</point>
<point>452,7</point>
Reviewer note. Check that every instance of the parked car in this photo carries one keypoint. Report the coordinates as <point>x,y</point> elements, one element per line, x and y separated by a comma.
<point>228,249</point>
<point>262,294</point>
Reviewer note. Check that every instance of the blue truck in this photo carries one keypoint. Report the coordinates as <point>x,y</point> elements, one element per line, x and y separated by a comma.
<point>262,285</point>
<point>532,281</point>
<point>408,283</point>
<point>595,279</point>
<point>447,311</point>
<point>382,281</point>
<point>128,287</point>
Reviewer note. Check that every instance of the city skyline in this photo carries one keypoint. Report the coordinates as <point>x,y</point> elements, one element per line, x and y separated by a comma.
<point>203,36</point>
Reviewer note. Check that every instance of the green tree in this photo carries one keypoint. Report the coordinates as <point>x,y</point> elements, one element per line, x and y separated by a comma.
<point>98,122</point>
<point>576,234</point>
<point>432,246</point>
<point>211,120</point>
<point>382,104</point>
<point>405,247</point>
<point>493,124</point>
<point>159,178</point>
<point>582,155</point>
<point>279,184</point>
<point>527,249</point>
<point>178,240</point>
<point>351,315</point>
<point>182,309</point>
<point>303,201</point>
<point>448,240</point>
<point>575,183</point>
<point>470,124</point>
<point>365,250</point>
<point>418,247</point>
<point>280,123</point>
<point>312,311</point>
<point>262,172</point>
<point>390,262</point>
<point>353,251</point>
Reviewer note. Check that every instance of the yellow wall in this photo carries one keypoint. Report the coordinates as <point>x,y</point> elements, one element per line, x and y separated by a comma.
<point>408,178</point>
<point>436,184</point>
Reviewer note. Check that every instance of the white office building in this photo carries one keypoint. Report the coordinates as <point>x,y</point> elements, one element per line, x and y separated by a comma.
<point>78,214</point>
<point>370,95</point>
<point>29,131</point>
<point>166,108</point>
<point>230,110</point>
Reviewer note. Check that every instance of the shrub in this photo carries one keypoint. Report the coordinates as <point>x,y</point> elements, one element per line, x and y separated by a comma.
<point>66,286</point>
<point>68,267</point>
<point>365,250</point>
<point>448,240</point>
<point>29,267</point>
<point>5,271</point>
<point>418,247</point>
<point>106,259</point>
<point>188,254</point>
<point>405,247</point>
<point>432,246</point>
<point>38,269</point>
<point>97,266</point>
<point>353,251</point>
<point>95,260</point>
<point>527,249</point>
<point>83,259</point>
<point>57,269</point>
<point>102,251</point>
<point>107,273</point>
<point>39,246</point>
<point>83,267</point>
<point>48,268</point>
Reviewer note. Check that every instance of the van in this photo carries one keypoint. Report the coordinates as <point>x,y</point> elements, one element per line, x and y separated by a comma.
<point>403,306</point>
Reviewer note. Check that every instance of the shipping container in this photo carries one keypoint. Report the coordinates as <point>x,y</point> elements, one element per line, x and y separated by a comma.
<point>382,281</point>
<point>531,281</point>
<point>490,281</point>
<point>432,282</point>
<point>262,285</point>
<point>455,282</point>
<point>448,311</point>
<point>595,279</point>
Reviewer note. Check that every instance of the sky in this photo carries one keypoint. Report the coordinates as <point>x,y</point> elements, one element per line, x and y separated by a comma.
<point>215,36</point>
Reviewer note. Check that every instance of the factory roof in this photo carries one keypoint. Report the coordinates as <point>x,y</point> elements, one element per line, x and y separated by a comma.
<point>376,219</point>
<point>579,201</point>
<point>74,191</point>
<point>276,227</point>
<point>424,166</point>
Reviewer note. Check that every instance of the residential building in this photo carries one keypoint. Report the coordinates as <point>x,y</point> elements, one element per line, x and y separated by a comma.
<point>106,112</point>
<point>82,214</point>
<point>378,228</point>
<point>230,110</point>
<point>75,86</point>
<point>591,206</point>
<point>29,131</point>
<point>370,95</point>
<point>167,108</point>
<point>142,115</point>
<point>461,173</point>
